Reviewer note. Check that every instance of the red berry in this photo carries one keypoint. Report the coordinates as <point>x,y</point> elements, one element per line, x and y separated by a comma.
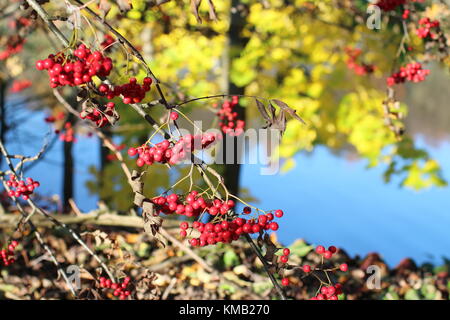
<point>320,249</point>
<point>285,281</point>
<point>273,226</point>
<point>174,115</point>
<point>184,225</point>
<point>279,213</point>
<point>327,254</point>
<point>307,268</point>
<point>343,267</point>
<point>132,152</point>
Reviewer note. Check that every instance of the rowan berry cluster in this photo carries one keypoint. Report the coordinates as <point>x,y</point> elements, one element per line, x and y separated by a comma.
<point>131,92</point>
<point>229,124</point>
<point>405,14</point>
<point>165,152</point>
<point>120,289</point>
<point>228,231</point>
<point>192,205</point>
<point>389,5</point>
<point>76,69</point>
<point>428,29</point>
<point>99,114</point>
<point>108,40</point>
<point>68,133</point>
<point>19,85</point>
<point>21,188</point>
<point>329,292</point>
<point>284,258</point>
<point>327,254</point>
<point>353,64</point>
<point>412,72</point>
<point>19,23</point>
<point>11,48</point>
<point>7,255</point>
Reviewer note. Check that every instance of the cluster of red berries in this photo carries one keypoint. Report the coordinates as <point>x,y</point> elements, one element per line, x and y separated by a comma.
<point>108,40</point>
<point>11,49</point>
<point>19,23</point>
<point>192,205</point>
<point>388,5</point>
<point>405,14</point>
<point>76,69</point>
<point>329,292</point>
<point>19,85</point>
<point>284,258</point>
<point>411,72</point>
<point>227,231</point>
<point>426,28</point>
<point>68,134</point>
<point>163,152</point>
<point>21,188</point>
<point>121,289</point>
<point>98,115</point>
<point>131,92</point>
<point>327,254</point>
<point>352,62</point>
<point>229,124</point>
<point>7,255</point>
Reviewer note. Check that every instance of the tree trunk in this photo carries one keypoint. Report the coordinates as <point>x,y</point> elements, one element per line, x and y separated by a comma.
<point>236,43</point>
<point>68,180</point>
<point>2,113</point>
<point>103,161</point>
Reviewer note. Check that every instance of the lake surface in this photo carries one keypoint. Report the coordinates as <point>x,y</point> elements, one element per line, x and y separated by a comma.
<point>330,200</point>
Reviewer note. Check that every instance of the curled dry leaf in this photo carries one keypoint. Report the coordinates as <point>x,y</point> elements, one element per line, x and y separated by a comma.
<point>100,237</point>
<point>104,7</point>
<point>124,5</point>
<point>195,4</point>
<point>286,109</point>
<point>192,233</point>
<point>194,7</point>
<point>271,249</point>
<point>152,221</point>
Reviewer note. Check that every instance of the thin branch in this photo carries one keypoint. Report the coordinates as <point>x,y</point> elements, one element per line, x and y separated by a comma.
<point>44,16</point>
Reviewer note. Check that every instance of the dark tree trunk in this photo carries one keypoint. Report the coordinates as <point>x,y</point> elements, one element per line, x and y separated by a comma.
<point>103,160</point>
<point>2,113</point>
<point>68,177</point>
<point>236,44</point>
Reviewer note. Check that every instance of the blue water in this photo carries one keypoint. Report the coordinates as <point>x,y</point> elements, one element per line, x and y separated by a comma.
<point>326,199</point>
<point>330,200</point>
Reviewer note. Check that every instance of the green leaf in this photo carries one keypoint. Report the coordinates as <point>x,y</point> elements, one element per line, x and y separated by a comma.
<point>300,248</point>
<point>230,259</point>
<point>261,287</point>
<point>428,291</point>
<point>227,288</point>
<point>412,294</point>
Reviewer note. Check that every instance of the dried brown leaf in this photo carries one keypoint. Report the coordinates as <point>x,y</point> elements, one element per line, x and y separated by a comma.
<point>124,5</point>
<point>285,108</point>
<point>195,4</point>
